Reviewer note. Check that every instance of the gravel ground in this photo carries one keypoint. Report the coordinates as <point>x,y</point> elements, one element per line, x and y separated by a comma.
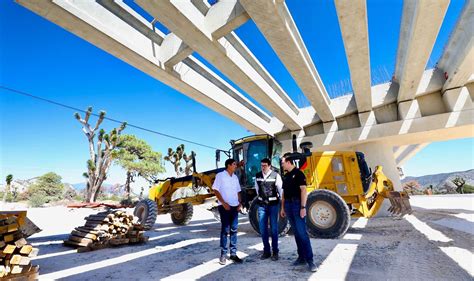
<point>434,243</point>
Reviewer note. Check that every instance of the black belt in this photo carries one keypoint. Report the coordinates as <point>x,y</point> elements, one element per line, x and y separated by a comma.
<point>269,201</point>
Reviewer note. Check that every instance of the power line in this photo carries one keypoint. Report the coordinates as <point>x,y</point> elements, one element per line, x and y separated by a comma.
<point>106,118</point>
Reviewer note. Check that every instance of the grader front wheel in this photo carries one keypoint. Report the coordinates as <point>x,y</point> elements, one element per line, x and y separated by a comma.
<point>328,215</point>
<point>184,215</point>
<point>146,211</point>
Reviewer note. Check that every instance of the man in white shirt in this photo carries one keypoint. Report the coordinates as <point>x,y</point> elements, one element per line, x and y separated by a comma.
<point>227,190</point>
<point>268,185</point>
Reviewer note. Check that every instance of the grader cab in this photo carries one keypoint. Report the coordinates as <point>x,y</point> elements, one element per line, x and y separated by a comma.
<point>339,185</point>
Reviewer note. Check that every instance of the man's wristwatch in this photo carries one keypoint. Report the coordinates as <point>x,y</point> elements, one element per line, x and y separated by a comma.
<point>303,207</point>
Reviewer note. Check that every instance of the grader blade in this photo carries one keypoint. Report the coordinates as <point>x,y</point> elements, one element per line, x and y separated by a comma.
<point>400,204</point>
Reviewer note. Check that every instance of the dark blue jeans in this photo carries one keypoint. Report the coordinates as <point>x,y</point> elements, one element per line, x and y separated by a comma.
<point>265,212</point>
<point>229,224</point>
<point>298,224</point>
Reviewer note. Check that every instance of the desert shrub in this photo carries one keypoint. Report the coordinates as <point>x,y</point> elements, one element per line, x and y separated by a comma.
<point>70,194</point>
<point>37,200</point>
<point>115,197</point>
<point>8,198</point>
<point>468,188</point>
<point>48,186</point>
<point>128,202</point>
<point>24,196</point>
<point>79,197</point>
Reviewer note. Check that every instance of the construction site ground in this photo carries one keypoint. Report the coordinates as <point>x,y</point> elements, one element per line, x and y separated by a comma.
<point>434,243</point>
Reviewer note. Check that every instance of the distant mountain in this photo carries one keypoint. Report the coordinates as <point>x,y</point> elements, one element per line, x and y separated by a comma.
<point>441,181</point>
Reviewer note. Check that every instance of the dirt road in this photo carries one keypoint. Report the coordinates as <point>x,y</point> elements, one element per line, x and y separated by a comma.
<point>433,243</point>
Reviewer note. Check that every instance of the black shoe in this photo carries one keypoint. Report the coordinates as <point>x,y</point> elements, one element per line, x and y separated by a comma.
<point>299,261</point>
<point>236,259</point>
<point>222,260</point>
<point>312,267</point>
<point>265,256</point>
<point>275,257</point>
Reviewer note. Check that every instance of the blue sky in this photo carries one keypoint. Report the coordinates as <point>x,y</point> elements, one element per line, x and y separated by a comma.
<point>38,57</point>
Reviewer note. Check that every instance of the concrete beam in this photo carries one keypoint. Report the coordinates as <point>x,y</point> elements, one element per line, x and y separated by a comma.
<point>119,9</point>
<point>383,94</point>
<point>398,150</point>
<point>275,22</point>
<point>99,26</point>
<point>353,23</point>
<point>421,21</point>
<point>409,152</point>
<point>224,17</point>
<point>202,5</point>
<point>426,129</point>
<point>173,50</point>
<point>457,99</point>
<point>184,20</point>
<point>457,60</point>
<point>409,110</point>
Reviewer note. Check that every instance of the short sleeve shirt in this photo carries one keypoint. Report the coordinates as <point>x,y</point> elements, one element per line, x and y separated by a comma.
<point>229,188</point>
<point>291,184</point>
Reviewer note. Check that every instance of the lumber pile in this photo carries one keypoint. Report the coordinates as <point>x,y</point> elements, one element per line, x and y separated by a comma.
<point>15,253</point>
<point>105,229</point>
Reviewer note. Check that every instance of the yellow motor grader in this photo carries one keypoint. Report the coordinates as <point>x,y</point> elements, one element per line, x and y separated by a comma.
<point>339,185</point>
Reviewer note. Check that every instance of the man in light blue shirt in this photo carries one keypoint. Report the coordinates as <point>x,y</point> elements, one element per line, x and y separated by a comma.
<point>227,190</point>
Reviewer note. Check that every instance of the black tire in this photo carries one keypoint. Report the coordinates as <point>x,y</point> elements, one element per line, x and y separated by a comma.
<point>146,211</point>
<point>328,215</point>
<point>183,216</point>
<point>283,223</point>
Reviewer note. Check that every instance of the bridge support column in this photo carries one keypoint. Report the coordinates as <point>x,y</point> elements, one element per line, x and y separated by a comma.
<point>381,153</point>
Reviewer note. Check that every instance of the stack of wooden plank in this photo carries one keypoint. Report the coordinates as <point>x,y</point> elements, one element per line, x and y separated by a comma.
<point>15,253</point>
<point>109,228</point>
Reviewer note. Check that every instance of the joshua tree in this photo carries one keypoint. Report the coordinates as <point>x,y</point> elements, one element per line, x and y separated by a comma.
<point>188,160</point>
<point>8,180</point>
<point>175,157</point>
<point>100,152</point>
<point>459,182</point>
<point>138,159</point>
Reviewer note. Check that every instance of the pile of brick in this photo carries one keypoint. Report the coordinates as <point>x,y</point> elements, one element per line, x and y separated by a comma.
<point>105,229</point>
<point>15,253</point>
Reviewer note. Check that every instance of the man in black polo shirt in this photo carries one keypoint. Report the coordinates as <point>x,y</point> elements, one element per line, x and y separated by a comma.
<point>293,205</point>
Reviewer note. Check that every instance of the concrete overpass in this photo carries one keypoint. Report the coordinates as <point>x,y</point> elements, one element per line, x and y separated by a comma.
<point>390,122</point>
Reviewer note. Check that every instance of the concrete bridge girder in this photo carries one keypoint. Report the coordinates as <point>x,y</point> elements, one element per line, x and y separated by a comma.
<point>419,106</point>
<point>94,23</point>
<point>420,24</point>
<point>416,128</point>
<point>457,60</point>
<point>275,22</point>
<point>228,54</point>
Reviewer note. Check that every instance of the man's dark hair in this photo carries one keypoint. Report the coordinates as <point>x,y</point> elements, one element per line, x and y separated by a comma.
<point>287,157</point>
<point>266,161</point>
<point>228,162</point>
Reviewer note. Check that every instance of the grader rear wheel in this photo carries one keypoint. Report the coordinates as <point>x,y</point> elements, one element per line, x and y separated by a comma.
<point>328,215</point>
<point>183,216</point>
<point>146,211</point>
